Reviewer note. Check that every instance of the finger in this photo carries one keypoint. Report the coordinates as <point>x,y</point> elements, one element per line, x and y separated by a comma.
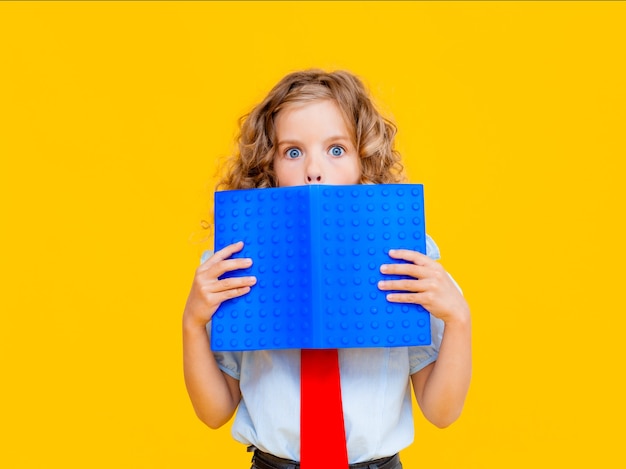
<point>413,298</point>
<point>234,293</point>
<point>412,270</point>
<point>411,256</point>
<point>228,265</point>
<point>231,284</point>
<point>405,285</point>
<point>223,253</point>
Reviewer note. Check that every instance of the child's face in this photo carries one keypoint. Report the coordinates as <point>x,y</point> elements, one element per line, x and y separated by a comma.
<point>314,146</point>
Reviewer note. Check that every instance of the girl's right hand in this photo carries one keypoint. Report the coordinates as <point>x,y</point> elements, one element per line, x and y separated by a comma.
<point>208,292</point>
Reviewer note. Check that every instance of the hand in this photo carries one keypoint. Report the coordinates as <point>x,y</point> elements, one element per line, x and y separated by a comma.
<point>208,292</point>
<point>430,286</point>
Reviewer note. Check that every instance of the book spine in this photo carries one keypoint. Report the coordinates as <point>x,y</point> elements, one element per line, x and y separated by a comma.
<point>316,250</point>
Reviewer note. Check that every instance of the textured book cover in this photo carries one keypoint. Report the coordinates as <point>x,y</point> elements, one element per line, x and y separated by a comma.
<point>317,252</point>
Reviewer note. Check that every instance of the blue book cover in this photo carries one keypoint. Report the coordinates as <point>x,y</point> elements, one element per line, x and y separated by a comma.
<point>317,252</point>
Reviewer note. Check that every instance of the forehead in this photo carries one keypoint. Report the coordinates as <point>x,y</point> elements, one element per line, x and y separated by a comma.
<point>313,114</point>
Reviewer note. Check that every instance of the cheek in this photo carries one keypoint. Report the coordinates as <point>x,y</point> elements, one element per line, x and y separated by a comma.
<point>351,171</point>
<point>287,173</point>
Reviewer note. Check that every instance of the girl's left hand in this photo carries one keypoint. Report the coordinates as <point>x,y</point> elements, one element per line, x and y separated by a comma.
<point>430,286</point>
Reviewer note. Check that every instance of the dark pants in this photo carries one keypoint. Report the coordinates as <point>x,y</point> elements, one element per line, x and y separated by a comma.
<point>261,460</point>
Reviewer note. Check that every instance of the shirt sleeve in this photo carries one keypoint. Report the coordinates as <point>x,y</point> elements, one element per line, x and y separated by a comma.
<point>228,362</point>
<point>205,256</point>
<point>420,356</point>
<point>432,250</point>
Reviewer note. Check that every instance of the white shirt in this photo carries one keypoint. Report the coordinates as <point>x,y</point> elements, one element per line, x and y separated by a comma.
<point>375,389</point>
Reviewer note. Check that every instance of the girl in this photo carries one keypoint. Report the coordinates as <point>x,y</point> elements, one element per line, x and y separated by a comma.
<point>322,128</point>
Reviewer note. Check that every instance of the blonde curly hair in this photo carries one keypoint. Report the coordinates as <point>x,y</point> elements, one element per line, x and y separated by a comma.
<point>253,165</point>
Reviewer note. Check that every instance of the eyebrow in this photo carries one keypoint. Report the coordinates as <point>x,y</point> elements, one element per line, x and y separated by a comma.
<point>334,138</point>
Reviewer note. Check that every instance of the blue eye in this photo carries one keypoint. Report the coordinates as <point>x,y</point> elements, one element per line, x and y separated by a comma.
<point>336,150</point>
<point>293,153</point>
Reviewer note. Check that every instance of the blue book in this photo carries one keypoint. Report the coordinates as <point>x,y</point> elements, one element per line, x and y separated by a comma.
<point>317,252</point>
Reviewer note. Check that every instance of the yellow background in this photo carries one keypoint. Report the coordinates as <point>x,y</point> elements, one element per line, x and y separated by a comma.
<point>112,119</point>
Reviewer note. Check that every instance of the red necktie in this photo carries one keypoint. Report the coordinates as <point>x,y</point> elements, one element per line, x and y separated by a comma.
<point>322,433</point>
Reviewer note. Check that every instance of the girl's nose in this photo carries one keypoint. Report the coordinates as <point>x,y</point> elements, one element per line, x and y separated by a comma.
<point>313,173</point>
<point>314,178</point>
